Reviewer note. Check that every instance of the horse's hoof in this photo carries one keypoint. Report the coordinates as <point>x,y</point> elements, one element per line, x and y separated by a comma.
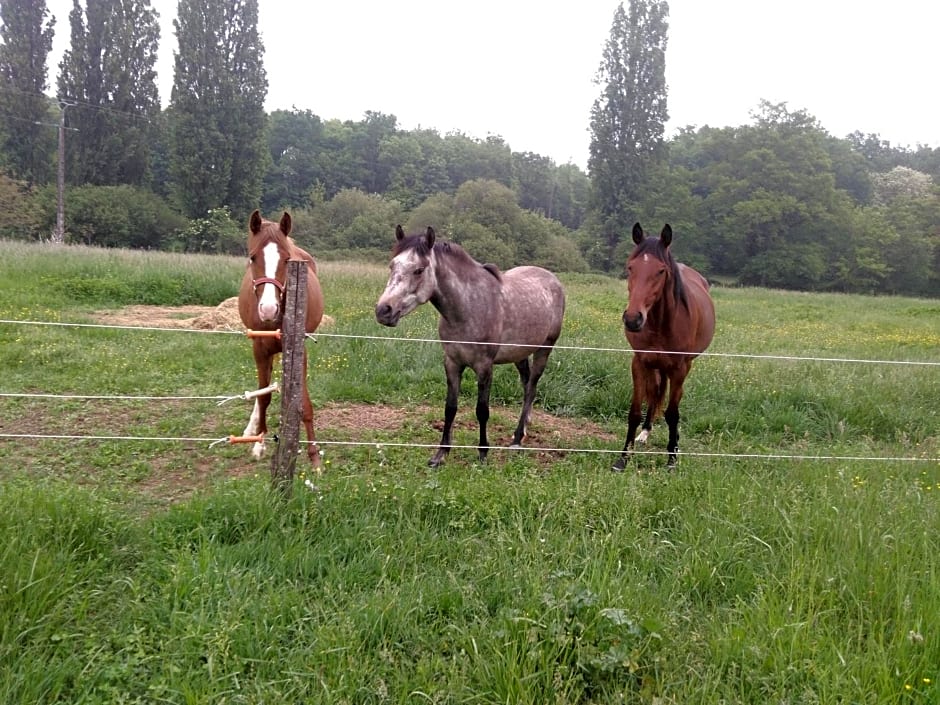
<point>257,450</point>
<point>619,465</point>
<point>515,446</point>
<point>642,436</point>
<point>435,463</point>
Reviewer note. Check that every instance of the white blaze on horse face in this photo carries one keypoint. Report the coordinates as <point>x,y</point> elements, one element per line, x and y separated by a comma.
<point>270,300</point>
<point>411,282</point>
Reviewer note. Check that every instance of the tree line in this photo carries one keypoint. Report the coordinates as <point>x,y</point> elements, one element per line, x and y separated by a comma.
<point>777,202</point>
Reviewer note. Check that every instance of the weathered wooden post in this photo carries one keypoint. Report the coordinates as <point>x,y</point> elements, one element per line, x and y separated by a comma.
<point>293,338</point>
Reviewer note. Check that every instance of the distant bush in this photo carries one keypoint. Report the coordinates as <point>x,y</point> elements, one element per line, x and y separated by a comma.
<point>111,216</point>
<point>18,218</point>
<point>216,234</point>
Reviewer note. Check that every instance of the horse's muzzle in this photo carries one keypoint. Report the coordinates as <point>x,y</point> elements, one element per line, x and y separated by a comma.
<point>633,323</point>
<point>385,315</point>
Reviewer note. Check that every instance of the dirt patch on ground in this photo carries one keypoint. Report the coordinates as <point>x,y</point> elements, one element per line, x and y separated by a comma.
<point>221,317</point>
<point>176,475</point>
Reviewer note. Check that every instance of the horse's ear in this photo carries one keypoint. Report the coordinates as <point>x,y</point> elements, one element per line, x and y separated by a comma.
<point>254,222</point>
<point>430,236</point>
<point>286,223</point>
<point>399,233</point>
<point>665,236</point>
<point>637,233</point>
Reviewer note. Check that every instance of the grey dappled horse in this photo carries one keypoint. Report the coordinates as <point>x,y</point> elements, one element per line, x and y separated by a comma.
<point>487,318</point>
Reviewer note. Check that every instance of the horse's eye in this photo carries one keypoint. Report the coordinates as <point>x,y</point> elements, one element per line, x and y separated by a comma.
<point>419,271</point>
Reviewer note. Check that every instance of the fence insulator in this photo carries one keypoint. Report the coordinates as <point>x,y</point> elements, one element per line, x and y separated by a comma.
<point>246,439</point>
<point>248,396</point>
<point>263,334</point>
<point>253,394</point>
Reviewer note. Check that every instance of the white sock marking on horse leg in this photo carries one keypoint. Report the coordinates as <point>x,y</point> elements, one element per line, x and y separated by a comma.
<point>643,435</point>
<point>252,428</point>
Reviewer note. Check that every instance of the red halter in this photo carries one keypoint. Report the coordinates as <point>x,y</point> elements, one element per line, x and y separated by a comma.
<point>255,283</point>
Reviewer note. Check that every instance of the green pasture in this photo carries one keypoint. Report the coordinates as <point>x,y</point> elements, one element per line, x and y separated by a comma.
<point>792,557</point>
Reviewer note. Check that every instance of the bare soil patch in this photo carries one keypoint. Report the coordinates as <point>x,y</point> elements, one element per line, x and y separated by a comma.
<point>221,317</point>
<point>179,472</point>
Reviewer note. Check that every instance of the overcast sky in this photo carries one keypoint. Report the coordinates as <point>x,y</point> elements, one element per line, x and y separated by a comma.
<point>524,69</point>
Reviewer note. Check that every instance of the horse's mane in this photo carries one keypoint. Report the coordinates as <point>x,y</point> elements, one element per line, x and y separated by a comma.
<point>419,243</point>
<point>654,247</point>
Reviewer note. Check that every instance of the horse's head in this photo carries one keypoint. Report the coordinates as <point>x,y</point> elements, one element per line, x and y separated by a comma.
<point>651,271</point>
<point>411,278</point>
<point>268,252</point>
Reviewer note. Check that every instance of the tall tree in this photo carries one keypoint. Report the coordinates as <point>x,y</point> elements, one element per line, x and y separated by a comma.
<point>28,141</point>
<point>108,80</point>
<point>219,153</point>
<point>294,138</point>
<point>628,118</point>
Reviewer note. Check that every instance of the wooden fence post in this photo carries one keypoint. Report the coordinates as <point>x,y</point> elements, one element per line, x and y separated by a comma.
<point>293,338</point>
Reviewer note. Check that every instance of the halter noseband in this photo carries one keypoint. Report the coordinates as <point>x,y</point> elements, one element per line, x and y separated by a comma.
<point>255,283</point>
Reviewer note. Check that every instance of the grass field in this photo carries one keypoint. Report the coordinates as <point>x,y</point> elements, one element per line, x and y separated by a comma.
<point>792,557</point>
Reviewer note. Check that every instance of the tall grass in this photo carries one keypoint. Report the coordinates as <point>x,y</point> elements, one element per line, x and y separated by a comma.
<point>154,571</point>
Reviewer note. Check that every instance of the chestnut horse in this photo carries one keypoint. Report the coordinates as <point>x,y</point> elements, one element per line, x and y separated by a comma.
<point>487,318</point>
<point>261,307</point>
<point>669,320</point>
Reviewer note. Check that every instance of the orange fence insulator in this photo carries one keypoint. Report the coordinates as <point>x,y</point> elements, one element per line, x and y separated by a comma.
<point>246,439</point>
<point>264,334</point>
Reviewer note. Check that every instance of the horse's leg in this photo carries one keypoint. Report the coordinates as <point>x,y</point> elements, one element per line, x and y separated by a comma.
<point>655,394</point>
<point>672,414</point>
<point>454,371</point>
<point>313,450</point>
<point>524,377</point>
<point>484,382</point>
<point>676,382</point>
<point>636,413</point>
<point>539,361</point>
<point>257,422</point>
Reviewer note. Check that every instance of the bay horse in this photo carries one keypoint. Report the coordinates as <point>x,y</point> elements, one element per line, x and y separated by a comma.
<point>261,307</point>
<point>487,317</point>
<point>669,320</point>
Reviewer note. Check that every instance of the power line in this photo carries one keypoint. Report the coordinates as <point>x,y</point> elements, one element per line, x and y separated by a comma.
<point>73,101</point>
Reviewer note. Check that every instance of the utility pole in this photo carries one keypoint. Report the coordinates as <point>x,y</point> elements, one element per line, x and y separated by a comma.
<point>58,235</point>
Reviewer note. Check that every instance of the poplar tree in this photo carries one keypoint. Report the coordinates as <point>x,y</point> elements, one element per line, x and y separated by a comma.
<point>218,148</point>
<point>628,118</point>
<point>27,135</point>
<point>108,83</point>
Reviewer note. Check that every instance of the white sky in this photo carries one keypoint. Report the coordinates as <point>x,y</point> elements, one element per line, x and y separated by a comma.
<point>524,69</point>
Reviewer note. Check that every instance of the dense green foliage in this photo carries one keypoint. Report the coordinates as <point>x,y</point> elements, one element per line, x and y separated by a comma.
<point>165,571</point>
<point>781,203</point>
<point>627,120</point>
<point>216,112</point>
<point>26,140</point>
<point>778,202</point>
<point>108,80</point>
